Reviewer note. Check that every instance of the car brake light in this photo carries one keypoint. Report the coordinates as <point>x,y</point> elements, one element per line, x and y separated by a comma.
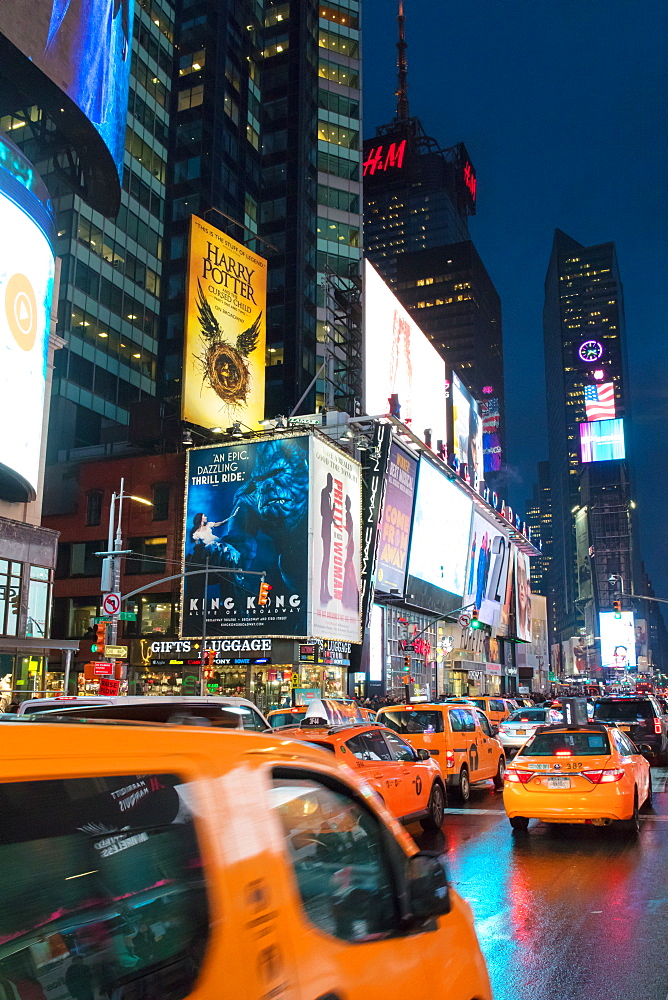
<point>604,777</point>
<point>521,776</point>
<point>563,753</point>
<point>657,726</point>
<point>449,759</point>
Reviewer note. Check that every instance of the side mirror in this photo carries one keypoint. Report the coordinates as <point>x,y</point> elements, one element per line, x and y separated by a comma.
<point>646,751</point>
<point>428,893</point>
<point>423,754</point>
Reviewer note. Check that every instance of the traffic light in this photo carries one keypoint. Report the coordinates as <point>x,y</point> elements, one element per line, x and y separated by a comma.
<point>100,639</point>
<point>210,657</point>
<point>407,663</point>
<point>475,623</point>
<point>263,596</point>
<point>617,608</point>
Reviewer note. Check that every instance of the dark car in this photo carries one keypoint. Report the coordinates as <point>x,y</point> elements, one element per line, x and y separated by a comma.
<point>640,717</point>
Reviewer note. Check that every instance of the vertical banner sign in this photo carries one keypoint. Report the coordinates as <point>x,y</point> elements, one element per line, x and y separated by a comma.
<point>585,581</point>
<point>225,331</point>
<point>335,529</point>
<point>373,488</point>
<point>395,528</point>
<point>247,509</point>
<point>522,596</point>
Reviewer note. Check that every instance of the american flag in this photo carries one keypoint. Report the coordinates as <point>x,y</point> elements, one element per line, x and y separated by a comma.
<point>600,401</point>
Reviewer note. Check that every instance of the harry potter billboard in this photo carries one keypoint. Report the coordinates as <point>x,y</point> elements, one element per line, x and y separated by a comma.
<point>268,507</point>
<point>225,331</point>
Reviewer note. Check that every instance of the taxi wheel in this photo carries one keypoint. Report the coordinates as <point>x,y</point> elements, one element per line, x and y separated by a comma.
<point>498,777</point>
<point>631,826</point>
<point>464,785</point>
<point>436,807</point>
<point>519,823</point>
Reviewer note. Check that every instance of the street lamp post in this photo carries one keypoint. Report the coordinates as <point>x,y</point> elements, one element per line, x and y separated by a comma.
<point>111,564</point>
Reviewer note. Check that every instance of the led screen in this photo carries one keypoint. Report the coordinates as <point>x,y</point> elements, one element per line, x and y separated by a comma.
<point>522,596</point>
<point>441,528</point>
<point>26,287</point>
<point>399,360</point>
<point>602,440</point>
<point>466,444</point>
<point>395,526</point>
<point>487,569</point>
<point>84,47</point>
<point>600,401</point>
<point>618,639</point>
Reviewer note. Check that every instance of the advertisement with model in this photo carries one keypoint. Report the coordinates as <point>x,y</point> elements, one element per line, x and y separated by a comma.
<point>399,361</point>
<point>27,266</point>
<point>265,509</point>
<point>225,331</point>
<point>489,554</point>
<point>618,640</point>
<point>395,527</point>
<point>522,596</point>
<point>84,49</point>
<point>439,542</point>
<point>335,529</point>
<point>465,441</point>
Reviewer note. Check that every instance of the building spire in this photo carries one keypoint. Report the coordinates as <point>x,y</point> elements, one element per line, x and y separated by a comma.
<point>402,66</point>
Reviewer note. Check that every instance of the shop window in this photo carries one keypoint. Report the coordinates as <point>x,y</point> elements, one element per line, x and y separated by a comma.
<point>161,501</point>
<point>38,602</point>
<point>10,596</point>
<point>156,613</point>
<point>125,909</point>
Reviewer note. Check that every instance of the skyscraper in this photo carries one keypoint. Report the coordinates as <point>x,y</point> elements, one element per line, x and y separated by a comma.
<point>593,534</point>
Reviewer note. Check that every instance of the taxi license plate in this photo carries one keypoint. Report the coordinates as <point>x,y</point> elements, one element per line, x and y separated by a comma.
<point>558,782</point>
<point>520,732</point>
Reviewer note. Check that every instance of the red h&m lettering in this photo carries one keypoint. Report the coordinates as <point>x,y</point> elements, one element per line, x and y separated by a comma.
<point>378,159</point>
<point>337,517</point>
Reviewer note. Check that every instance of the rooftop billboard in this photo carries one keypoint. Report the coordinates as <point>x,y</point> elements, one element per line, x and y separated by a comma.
<point>618,639</point>
<point>602,440</point>
<point>399,361</point>
<point>466,442</point>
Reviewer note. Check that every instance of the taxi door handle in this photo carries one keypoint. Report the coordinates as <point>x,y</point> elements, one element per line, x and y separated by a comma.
<point>376,774</point>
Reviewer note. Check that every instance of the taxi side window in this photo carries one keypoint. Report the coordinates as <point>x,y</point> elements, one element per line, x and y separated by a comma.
<point>496,706</point>
<point>462,721</point>
<point>251,719</point>
<point>107,891</point>
<point>369,746</point>
<point>400,749</point>
<point>339,858</point>
<point>484,724</point>
<point>624,744</point>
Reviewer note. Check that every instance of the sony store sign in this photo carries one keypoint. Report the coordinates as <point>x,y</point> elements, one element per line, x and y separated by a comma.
<point>172,647</point>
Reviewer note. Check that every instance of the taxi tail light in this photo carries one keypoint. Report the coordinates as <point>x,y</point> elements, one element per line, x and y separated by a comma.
<point>449,759</point>
<point>520,776</point>
<point>657,726</point>
<point>605,777</point>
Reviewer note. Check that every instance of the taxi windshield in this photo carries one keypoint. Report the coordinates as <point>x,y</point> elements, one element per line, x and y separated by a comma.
<point>286,719</point>
<point>582,744</point>
<point>413,722</point>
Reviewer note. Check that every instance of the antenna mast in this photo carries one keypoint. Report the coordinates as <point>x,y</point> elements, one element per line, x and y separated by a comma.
<point>402,66</point>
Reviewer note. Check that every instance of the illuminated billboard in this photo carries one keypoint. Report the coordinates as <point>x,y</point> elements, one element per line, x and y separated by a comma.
<point>288,508</point>
<point>491,440</point>
<point>27,266</point>
<point>600,401</point>
<point>522,596</point>
<point>618,639</point>
<point>225,331</point>
<point>81,49</point>
<point>441,529</point>
<point>400,361</point>
<point>395,526</point>
<point>489,553</point>
<point>602,440</point>
<point>466,441</point>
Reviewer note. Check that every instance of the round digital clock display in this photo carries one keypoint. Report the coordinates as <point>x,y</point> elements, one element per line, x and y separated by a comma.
<point>590,350</point>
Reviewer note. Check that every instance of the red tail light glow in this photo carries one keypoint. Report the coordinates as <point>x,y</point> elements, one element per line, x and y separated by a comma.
<point>563,753</point>
<point>519,776</point>
<point>605,777</point>
<point>657,726</point>
<point>449,758</point>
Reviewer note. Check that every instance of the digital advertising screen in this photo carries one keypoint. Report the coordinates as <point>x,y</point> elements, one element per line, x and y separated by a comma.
<point>395,526</point>
<point>487,569</point>
<point>441,529</point>
<point>27,266</point>
<point>491,439</point>
<point>600,401</point>
<point>335,530</point>
<point>466,444</point>
<point>399,360</point>
<point>618,639</point>
<point>522,595</point>
<point>602,440</point>
<point>84,48</point>
<point>225,331</point>
<point>247,509</point>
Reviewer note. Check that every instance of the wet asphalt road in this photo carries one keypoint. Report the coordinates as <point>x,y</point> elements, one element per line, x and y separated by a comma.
<point>577,913</point>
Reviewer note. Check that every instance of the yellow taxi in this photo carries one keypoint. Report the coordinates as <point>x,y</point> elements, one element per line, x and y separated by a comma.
<point>172,860</point>
<point>588,773</point>
<point>408,780</point>
<point>292,716</point>
<point>495,707</point>
<point>457,734</point>
<point>340,710</point>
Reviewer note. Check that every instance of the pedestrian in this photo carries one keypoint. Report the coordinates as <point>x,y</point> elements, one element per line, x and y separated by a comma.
<point>79,980</point>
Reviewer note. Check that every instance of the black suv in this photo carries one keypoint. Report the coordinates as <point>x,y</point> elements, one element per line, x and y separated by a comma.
<point>641,717</point>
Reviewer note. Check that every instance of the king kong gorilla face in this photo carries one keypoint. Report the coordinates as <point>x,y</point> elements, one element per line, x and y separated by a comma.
<point>278,489</point>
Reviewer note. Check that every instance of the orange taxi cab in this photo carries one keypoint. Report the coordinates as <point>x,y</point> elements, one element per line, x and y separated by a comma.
<point>408,780</point>
<point>495,707</point>
<point>175,859</point>
<point>578,774</point>
<point>339,709</point>
<point>457,734</point>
